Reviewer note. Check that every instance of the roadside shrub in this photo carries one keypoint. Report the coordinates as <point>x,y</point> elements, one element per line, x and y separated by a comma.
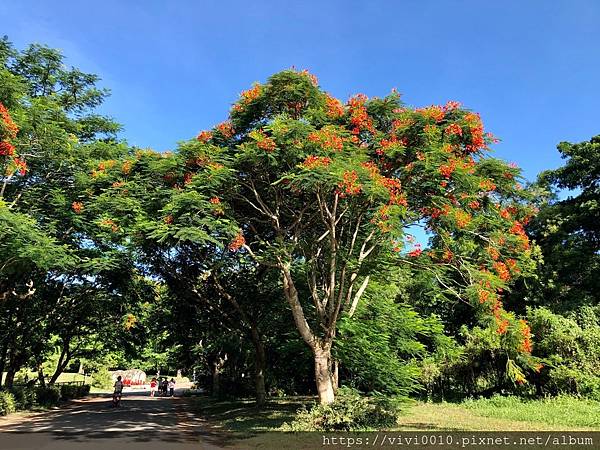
<point>25,397</point>
<point>47,395</point>
<point>84,390</point>
<point>349,412</point>
<point>7,403</point>
<point>72,391</point>
<point>102,379</point>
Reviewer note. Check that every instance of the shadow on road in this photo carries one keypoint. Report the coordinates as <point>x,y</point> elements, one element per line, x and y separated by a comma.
<point>139,419</point>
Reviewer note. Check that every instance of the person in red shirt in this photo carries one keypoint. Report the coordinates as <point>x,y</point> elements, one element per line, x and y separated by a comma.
<point>153,385</point>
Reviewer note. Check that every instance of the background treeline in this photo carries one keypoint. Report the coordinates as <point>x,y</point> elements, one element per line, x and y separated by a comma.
<point>90,279</point>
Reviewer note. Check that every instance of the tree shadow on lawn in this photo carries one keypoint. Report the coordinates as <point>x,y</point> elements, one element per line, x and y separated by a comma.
<point>246,419</point>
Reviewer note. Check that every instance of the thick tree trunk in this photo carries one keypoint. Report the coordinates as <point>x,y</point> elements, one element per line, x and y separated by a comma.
<point>12,368</point>
<point>260,367</point>
<point>216,381</point>
<point>10,376</point>
<point>323,375</point>
<point>321,350</point>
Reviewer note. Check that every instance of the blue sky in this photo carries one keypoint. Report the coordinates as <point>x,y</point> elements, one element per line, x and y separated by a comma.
<point>174,67</point>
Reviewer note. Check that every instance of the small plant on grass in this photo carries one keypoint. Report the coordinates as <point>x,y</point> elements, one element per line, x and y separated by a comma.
<point>349,412</point>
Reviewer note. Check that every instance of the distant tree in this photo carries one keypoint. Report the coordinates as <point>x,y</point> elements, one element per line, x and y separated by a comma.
<point>568,230</point>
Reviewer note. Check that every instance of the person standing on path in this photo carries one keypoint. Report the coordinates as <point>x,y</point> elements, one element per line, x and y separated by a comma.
<point>153,384</point>
<point>172,387</point>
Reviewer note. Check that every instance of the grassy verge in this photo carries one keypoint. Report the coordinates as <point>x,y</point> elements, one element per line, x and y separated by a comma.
<point>558,411</point>
<point>244,419</point>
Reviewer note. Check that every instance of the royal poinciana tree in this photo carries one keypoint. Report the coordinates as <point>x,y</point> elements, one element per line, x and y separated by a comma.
<point>323,193</point>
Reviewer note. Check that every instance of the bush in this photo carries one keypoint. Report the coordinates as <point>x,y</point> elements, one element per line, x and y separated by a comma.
<point>349,412</point>
<point>7,403</point>
<point>102,379</point>
<point>47,395</point>
<point>570,346</point>
<point>72,391</point>
<point>25,397</point>
<point>84,390</point>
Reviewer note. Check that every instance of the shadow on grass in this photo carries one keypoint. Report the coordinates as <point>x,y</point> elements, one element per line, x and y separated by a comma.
<point>244,418</point>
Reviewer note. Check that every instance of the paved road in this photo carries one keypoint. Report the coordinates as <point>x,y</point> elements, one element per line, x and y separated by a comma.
<point>92,424</point>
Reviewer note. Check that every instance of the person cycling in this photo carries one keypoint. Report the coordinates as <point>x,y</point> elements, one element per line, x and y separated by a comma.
<point>118,391</point>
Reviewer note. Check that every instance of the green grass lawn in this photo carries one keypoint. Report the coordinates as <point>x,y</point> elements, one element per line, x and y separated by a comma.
<point>62,378</point>
<point>497,414</point>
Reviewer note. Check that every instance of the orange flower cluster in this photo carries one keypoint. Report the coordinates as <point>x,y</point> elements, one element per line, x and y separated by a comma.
<point>168,219</point>
<point>237,242</point>
<point>11,128</point>
<point>20,166</point>
<point>487,185</point>
<point>451,105</point>
<point>349,185</point>
<point>512,265</point>
<point>447,255</point>
<point>226,129</point>
<point>417,251</point>
<point>77,207</point>
<point>399,124</point>
<point>126,167</point>
<point>247,97</point>
<point>432,112</point>
<point>313,79</point>
<point>394,188</point>
<point>110,223</point>
<point>118,184</point>
<point>462,218</point>
<point>502,270</point>
<point>6,149</point>
<point>454,129</point>
<point>371,167</point>
<point>264,142</point>
<point>493,252</point>
<point>518,230</point>
<point>335,109</point>
<point>204,136</point>
<point>526,345</point>
<point>359,118</point>
<point>474,204</point>
<point>446,170</point>
<point>215,200</point>
<point>327,139</point>
<point>477,136</point>
<point>312,162</point>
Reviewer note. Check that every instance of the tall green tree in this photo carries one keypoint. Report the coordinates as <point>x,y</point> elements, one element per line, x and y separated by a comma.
<point>568,230</point>
<point>48,130</point>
